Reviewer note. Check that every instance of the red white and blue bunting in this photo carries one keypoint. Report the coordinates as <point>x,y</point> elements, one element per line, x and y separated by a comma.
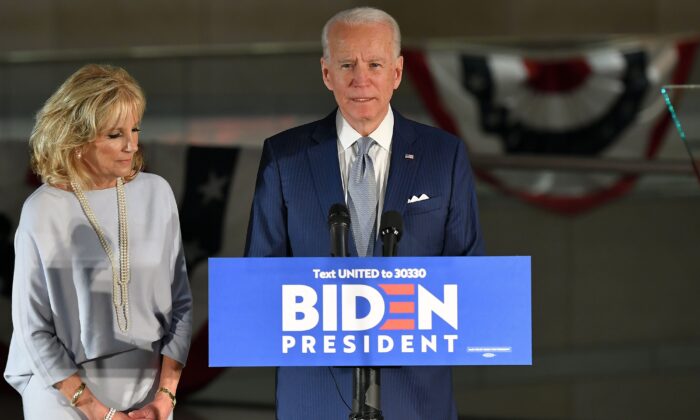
<point>597,102</point>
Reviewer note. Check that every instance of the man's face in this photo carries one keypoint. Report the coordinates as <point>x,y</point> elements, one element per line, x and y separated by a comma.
<point>362,72</point>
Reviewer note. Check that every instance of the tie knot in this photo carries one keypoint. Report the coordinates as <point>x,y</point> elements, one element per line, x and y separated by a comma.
<point>363,145</point>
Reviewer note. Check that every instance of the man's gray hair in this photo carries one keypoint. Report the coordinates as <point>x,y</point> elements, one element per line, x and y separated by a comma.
<point>359,16</point>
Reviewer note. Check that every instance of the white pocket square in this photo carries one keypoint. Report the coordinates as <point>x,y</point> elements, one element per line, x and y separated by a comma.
<point>415,199</point>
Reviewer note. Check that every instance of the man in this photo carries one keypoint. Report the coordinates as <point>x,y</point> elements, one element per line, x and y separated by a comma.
<point>364,145</point>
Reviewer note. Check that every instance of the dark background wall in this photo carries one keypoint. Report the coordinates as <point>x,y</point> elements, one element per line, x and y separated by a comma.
<point>45,24</point>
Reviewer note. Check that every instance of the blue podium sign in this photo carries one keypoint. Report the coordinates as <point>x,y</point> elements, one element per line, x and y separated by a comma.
<point>369,311</point>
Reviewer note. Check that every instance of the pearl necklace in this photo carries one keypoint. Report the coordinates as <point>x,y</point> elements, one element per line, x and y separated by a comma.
<point>120,276</point>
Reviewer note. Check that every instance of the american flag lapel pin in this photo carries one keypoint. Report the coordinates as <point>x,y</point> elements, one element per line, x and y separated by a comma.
<point>408,156</point>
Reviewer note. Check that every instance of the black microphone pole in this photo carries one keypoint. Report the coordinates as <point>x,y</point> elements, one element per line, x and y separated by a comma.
<point>366,381</point>
<point>362,377</point>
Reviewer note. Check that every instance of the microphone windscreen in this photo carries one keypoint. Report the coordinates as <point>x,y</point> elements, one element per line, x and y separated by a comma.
<point>338,214</point>
<point>391,221</point>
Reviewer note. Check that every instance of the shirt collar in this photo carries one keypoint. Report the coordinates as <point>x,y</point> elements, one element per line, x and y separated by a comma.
<point>382,135</point>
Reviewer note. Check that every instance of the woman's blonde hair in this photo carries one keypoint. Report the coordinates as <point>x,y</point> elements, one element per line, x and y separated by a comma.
<point>88,102</point>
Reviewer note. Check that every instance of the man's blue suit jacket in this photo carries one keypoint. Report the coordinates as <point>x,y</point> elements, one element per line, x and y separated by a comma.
<point>298,181</point>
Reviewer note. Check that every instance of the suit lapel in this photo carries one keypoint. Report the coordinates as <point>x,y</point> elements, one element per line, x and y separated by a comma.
<point>324,166</point>
<point>405,159</point>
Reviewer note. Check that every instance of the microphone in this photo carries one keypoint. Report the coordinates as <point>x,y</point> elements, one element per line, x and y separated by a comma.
<point>339,223</point>
<point>390,229</point>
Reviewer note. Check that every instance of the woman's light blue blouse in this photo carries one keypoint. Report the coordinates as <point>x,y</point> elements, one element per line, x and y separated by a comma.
<point>62,310</point>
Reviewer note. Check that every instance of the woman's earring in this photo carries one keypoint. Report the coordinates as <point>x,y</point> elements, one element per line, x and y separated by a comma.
<point>79,154</point>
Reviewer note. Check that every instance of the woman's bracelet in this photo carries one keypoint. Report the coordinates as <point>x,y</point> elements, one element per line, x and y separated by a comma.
<point>110,414</point>
<point>76,395</point>
<point>169,394</point>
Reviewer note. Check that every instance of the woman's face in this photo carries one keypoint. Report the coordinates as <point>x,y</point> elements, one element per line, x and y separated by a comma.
<point>110,154</point>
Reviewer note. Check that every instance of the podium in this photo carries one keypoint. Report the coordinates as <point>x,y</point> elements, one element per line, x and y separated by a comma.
<point>399,311</point>
<point>368,312</point>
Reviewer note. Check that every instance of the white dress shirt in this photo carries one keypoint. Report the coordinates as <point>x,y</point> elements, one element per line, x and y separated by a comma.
<point>380,152</point>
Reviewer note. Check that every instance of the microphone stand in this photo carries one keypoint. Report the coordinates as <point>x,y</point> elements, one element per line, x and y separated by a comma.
<point>365,380</point>
<point>366,404</point>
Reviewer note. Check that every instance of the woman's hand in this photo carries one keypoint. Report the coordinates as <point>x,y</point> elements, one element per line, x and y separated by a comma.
<point>162,404</point>
<point>164,400</point>
<point>159,409</point>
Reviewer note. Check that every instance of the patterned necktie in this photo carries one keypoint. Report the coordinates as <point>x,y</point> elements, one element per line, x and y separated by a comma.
<point>362,198</point>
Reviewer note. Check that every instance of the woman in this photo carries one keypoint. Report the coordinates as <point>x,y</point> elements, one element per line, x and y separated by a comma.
<point>101,305</point>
